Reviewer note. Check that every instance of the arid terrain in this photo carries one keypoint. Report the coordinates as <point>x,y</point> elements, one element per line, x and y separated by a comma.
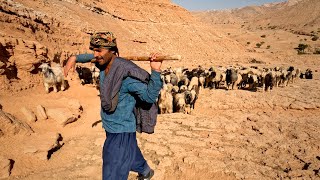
<point>231,134</point>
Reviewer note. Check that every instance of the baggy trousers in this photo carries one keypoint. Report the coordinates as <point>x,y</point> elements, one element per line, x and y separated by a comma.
<point>120,155</point>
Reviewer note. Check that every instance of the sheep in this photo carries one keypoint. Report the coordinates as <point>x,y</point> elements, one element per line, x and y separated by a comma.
<point>194,95</point>
<point>194,81</point>
<point>209,79</point>
<point>232,77</point>
<point>165,102</point>
<point>308,74</point>
<point>183,88</point>
<point>85,75</point>
<point>268,81</point>
<point>95,72</point>
<point>183,81</point>
<point>252,81</point>
<point>201,81</point>
<point>179,102</point>
<point>52,77</point>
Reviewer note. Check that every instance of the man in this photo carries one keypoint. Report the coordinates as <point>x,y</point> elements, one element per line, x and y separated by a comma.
<point>122,84</point>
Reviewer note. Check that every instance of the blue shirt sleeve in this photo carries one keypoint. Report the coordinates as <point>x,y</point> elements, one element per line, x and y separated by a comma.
<point>84,58</point>
<point>147,92</point>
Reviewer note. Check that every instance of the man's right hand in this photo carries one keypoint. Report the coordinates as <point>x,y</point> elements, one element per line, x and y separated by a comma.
<point>155,65</point>
<point>71,64</point>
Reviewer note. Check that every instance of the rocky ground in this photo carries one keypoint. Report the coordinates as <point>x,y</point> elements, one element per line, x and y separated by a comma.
<point>231,134</point>
<point>235,134</point>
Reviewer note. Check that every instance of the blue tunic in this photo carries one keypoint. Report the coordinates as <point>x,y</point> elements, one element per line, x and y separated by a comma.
<point>123,118</point>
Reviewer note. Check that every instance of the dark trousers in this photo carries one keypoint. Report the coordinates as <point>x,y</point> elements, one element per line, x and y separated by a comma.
<point>121,154</point>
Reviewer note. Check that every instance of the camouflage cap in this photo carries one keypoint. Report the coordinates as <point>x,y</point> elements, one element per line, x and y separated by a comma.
<point>102,39</point>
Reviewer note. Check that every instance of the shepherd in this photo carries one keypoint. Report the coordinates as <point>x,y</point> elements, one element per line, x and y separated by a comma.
<point>127,93</point>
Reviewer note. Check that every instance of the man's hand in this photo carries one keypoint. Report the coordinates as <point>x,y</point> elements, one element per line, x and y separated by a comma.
<point>71,64</point>
<point>155,65</point>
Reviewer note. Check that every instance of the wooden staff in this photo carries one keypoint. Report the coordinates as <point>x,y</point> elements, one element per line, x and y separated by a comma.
<point>147,58</point>
<point>159,58</point>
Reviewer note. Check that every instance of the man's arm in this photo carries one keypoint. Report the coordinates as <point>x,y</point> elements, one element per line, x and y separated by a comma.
<point>146,92</point>
<point>71,63</point>
<point>84,58</point>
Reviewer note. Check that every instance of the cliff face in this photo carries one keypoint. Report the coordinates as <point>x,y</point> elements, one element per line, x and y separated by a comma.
<point>36,31</point>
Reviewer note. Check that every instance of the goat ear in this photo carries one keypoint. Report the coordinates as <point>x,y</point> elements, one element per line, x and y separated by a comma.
<point>41,66</point>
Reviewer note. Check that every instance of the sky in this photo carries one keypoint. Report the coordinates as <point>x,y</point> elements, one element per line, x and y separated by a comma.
<point>201,5</point>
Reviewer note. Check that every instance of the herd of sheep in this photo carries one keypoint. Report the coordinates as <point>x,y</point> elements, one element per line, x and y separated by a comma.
<point>182,86</point>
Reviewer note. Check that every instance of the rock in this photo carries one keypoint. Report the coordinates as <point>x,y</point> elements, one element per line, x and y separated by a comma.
<point>2,64</point>
<point>44,145</point>
<point>41,113</point>
<point>302,105</point>
<point>69,120</point>
<point>62,115</point>
<point>5,167</point>
<point>29,115</point>
<point>9,125</point>
<point>74,104</point>
<point>296,105</point>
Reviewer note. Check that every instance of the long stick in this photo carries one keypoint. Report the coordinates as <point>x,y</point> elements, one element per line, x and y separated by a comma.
<point>159,58</point>
<point>146,58</point>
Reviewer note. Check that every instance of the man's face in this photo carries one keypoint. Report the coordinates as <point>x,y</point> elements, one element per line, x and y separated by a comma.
<point>102,55</point>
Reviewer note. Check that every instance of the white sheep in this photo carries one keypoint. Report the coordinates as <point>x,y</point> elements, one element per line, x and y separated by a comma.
<point>52,77</point>
<point>165,101</point>
<point>179,102</point>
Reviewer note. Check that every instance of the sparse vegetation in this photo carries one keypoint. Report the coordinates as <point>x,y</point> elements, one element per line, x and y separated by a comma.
<point>316,51</point>
<point>301,48</point>
<point>263,36</point>
<point>268,47</point>
<point>315,37</point>
<point>258,45</point>
<point>272,27</point>
<point>253,60</point>
<point>248,43</point>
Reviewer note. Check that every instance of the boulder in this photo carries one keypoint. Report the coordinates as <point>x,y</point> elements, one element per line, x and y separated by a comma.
<point>5,167</point>
<point>44,145</point>
<point>28,114</point>
<point>41,113</point>
<point>9,125</point>
<point>62,115</point>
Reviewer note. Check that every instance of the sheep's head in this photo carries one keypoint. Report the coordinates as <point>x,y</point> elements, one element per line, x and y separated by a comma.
<point>44,67</point>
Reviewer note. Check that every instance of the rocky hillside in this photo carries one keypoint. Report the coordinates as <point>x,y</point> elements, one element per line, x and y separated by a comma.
<point>50,31</point>
<point>272,32</point>
<point>285,15</point>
